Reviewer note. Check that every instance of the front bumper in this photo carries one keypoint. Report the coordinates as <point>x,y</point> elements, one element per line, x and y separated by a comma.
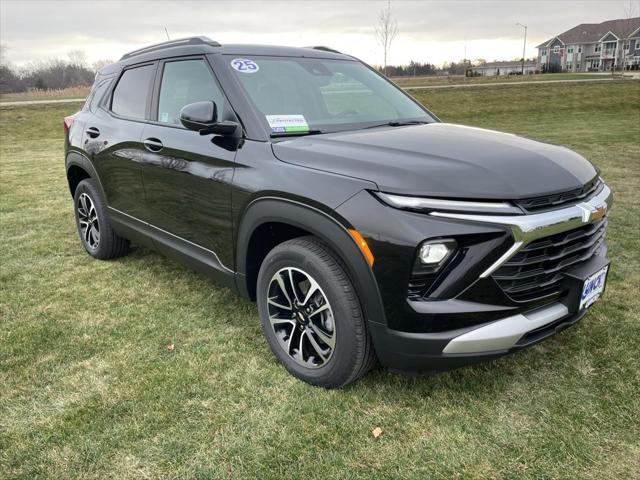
<point>437,351</point>
<point>470,318</point>
<point>408,351</point>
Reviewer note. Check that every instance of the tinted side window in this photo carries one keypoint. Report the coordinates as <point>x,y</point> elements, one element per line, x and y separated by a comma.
<point>98,93</point>
<point>184,82</point>
<point>130,95</point>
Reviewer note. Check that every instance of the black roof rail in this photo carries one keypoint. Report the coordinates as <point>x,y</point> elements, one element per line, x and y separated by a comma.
<point>172,43</point>
<point>325,49</point>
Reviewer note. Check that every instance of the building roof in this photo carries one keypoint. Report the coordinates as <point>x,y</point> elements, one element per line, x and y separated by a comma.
<point>593,32</point>
<point>512,63</point>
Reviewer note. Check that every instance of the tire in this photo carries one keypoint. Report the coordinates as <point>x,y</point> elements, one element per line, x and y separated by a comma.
<point>329,326</point>
<point>94,228</point>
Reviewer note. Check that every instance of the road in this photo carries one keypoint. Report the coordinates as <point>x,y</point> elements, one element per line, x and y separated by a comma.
<point>491,84</point>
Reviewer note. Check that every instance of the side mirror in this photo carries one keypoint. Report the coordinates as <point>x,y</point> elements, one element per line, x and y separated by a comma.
<point>203,118</point>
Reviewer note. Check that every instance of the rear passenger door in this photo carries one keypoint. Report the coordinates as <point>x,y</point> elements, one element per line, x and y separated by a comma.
<point>112,139</point>
<point>188,176</point>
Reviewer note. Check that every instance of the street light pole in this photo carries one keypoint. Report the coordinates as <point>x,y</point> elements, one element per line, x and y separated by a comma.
<point>524,46</point>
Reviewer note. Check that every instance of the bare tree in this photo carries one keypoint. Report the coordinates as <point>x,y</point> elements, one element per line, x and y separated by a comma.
<point>386,31</point>
<point>77,58</point>
<point>99,64</point>
<point>3,53</point>
<point>629,12</point>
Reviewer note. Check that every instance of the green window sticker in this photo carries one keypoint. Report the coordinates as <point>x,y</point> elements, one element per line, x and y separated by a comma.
<point>287,123</point>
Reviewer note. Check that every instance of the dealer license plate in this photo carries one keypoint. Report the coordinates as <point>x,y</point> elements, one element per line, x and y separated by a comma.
<point>593,287</point>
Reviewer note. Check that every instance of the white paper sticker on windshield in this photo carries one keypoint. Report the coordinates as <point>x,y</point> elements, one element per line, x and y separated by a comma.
<point>244,65</point>
<point>287,123</point>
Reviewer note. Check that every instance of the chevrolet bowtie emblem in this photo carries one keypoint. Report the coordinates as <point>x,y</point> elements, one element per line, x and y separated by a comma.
<point>592,214</point>
<point>598,213</point>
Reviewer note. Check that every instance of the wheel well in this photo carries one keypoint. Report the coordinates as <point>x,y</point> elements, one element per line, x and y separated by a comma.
<point>263,240</point>
<point>75,175</point>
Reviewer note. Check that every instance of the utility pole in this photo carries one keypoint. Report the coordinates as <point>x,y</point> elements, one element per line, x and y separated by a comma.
<point>524,46</point>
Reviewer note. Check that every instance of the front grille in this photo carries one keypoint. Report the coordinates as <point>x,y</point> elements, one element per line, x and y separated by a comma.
<point>558,200</point>
<point>538,269</point>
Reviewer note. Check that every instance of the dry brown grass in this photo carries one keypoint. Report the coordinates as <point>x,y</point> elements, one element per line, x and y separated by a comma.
<point>71,92</point>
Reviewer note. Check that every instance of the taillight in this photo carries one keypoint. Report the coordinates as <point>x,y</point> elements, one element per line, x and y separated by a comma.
<point>68,121</point>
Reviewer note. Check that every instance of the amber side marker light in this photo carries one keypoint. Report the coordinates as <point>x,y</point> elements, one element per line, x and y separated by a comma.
<point>362,245</point>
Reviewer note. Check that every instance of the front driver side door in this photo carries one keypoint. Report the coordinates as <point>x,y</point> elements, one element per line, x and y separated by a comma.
<point>187,177</point>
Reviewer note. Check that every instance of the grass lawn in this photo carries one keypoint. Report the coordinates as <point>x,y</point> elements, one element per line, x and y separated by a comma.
<point>435,80</point>
<point>90,390</point>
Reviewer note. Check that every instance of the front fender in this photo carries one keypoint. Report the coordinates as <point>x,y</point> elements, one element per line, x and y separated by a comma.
<point>327,226</point>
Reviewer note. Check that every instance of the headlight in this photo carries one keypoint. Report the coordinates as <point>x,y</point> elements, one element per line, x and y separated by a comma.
<point>439,204</point>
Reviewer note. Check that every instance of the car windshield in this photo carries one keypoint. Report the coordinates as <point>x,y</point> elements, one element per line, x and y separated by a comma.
<point>311,95</point>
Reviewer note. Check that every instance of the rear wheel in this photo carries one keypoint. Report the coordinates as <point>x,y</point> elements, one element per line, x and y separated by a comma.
<point>94,228</point>
<point>311,315</point>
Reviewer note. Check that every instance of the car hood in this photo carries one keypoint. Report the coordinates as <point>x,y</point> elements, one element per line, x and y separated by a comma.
<point>443,160</point>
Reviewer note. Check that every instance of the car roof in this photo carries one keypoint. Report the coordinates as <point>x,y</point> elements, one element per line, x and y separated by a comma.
<point>281,51</point>
<point>204,45</point>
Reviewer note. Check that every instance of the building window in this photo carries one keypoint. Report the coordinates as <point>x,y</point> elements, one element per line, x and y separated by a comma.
<point>578,66</point>
<point>626,46</point>
<point>556,49</point>
<point>579,49</point>
<point>598,47</point>
<point>609,47</point>
<point>543,52</point>
<point>570,50</point>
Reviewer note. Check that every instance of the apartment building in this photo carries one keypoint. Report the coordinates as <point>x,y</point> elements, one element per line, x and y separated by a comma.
<point>593,47</point>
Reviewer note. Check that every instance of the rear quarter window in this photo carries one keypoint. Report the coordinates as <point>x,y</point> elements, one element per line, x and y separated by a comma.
<point>97,94</point>
<point>130,95</point>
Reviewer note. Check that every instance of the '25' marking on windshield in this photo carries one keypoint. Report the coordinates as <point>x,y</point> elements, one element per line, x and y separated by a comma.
<point>244,65</point>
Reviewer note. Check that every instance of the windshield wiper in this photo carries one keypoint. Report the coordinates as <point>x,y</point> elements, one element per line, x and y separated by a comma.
<point>397,124</point>
<point>296,134</point>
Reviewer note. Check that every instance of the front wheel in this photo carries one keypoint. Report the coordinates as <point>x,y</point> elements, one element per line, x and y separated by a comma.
<point>311,315</point>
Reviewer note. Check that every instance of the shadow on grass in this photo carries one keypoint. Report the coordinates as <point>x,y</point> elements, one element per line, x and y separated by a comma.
<point>485,379</point>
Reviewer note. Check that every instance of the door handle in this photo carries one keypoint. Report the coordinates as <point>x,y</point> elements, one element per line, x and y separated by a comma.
<point>153,144</point>
<point>93,132</point>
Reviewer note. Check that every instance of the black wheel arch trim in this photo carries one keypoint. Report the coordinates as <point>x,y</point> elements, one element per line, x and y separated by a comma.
<point>77,159</point>
<point>322,225</point>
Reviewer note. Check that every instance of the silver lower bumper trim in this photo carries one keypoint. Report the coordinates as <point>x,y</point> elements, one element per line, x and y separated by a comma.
<point>504,334</point>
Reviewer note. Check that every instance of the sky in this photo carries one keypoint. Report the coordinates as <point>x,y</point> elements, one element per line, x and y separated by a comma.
<point>429,31</point>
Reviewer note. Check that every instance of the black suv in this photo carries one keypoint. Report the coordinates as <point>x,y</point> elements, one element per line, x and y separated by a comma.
<point>363,226</point>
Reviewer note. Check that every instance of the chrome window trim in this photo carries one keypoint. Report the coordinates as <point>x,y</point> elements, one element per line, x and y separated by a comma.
<point>527,228</point>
